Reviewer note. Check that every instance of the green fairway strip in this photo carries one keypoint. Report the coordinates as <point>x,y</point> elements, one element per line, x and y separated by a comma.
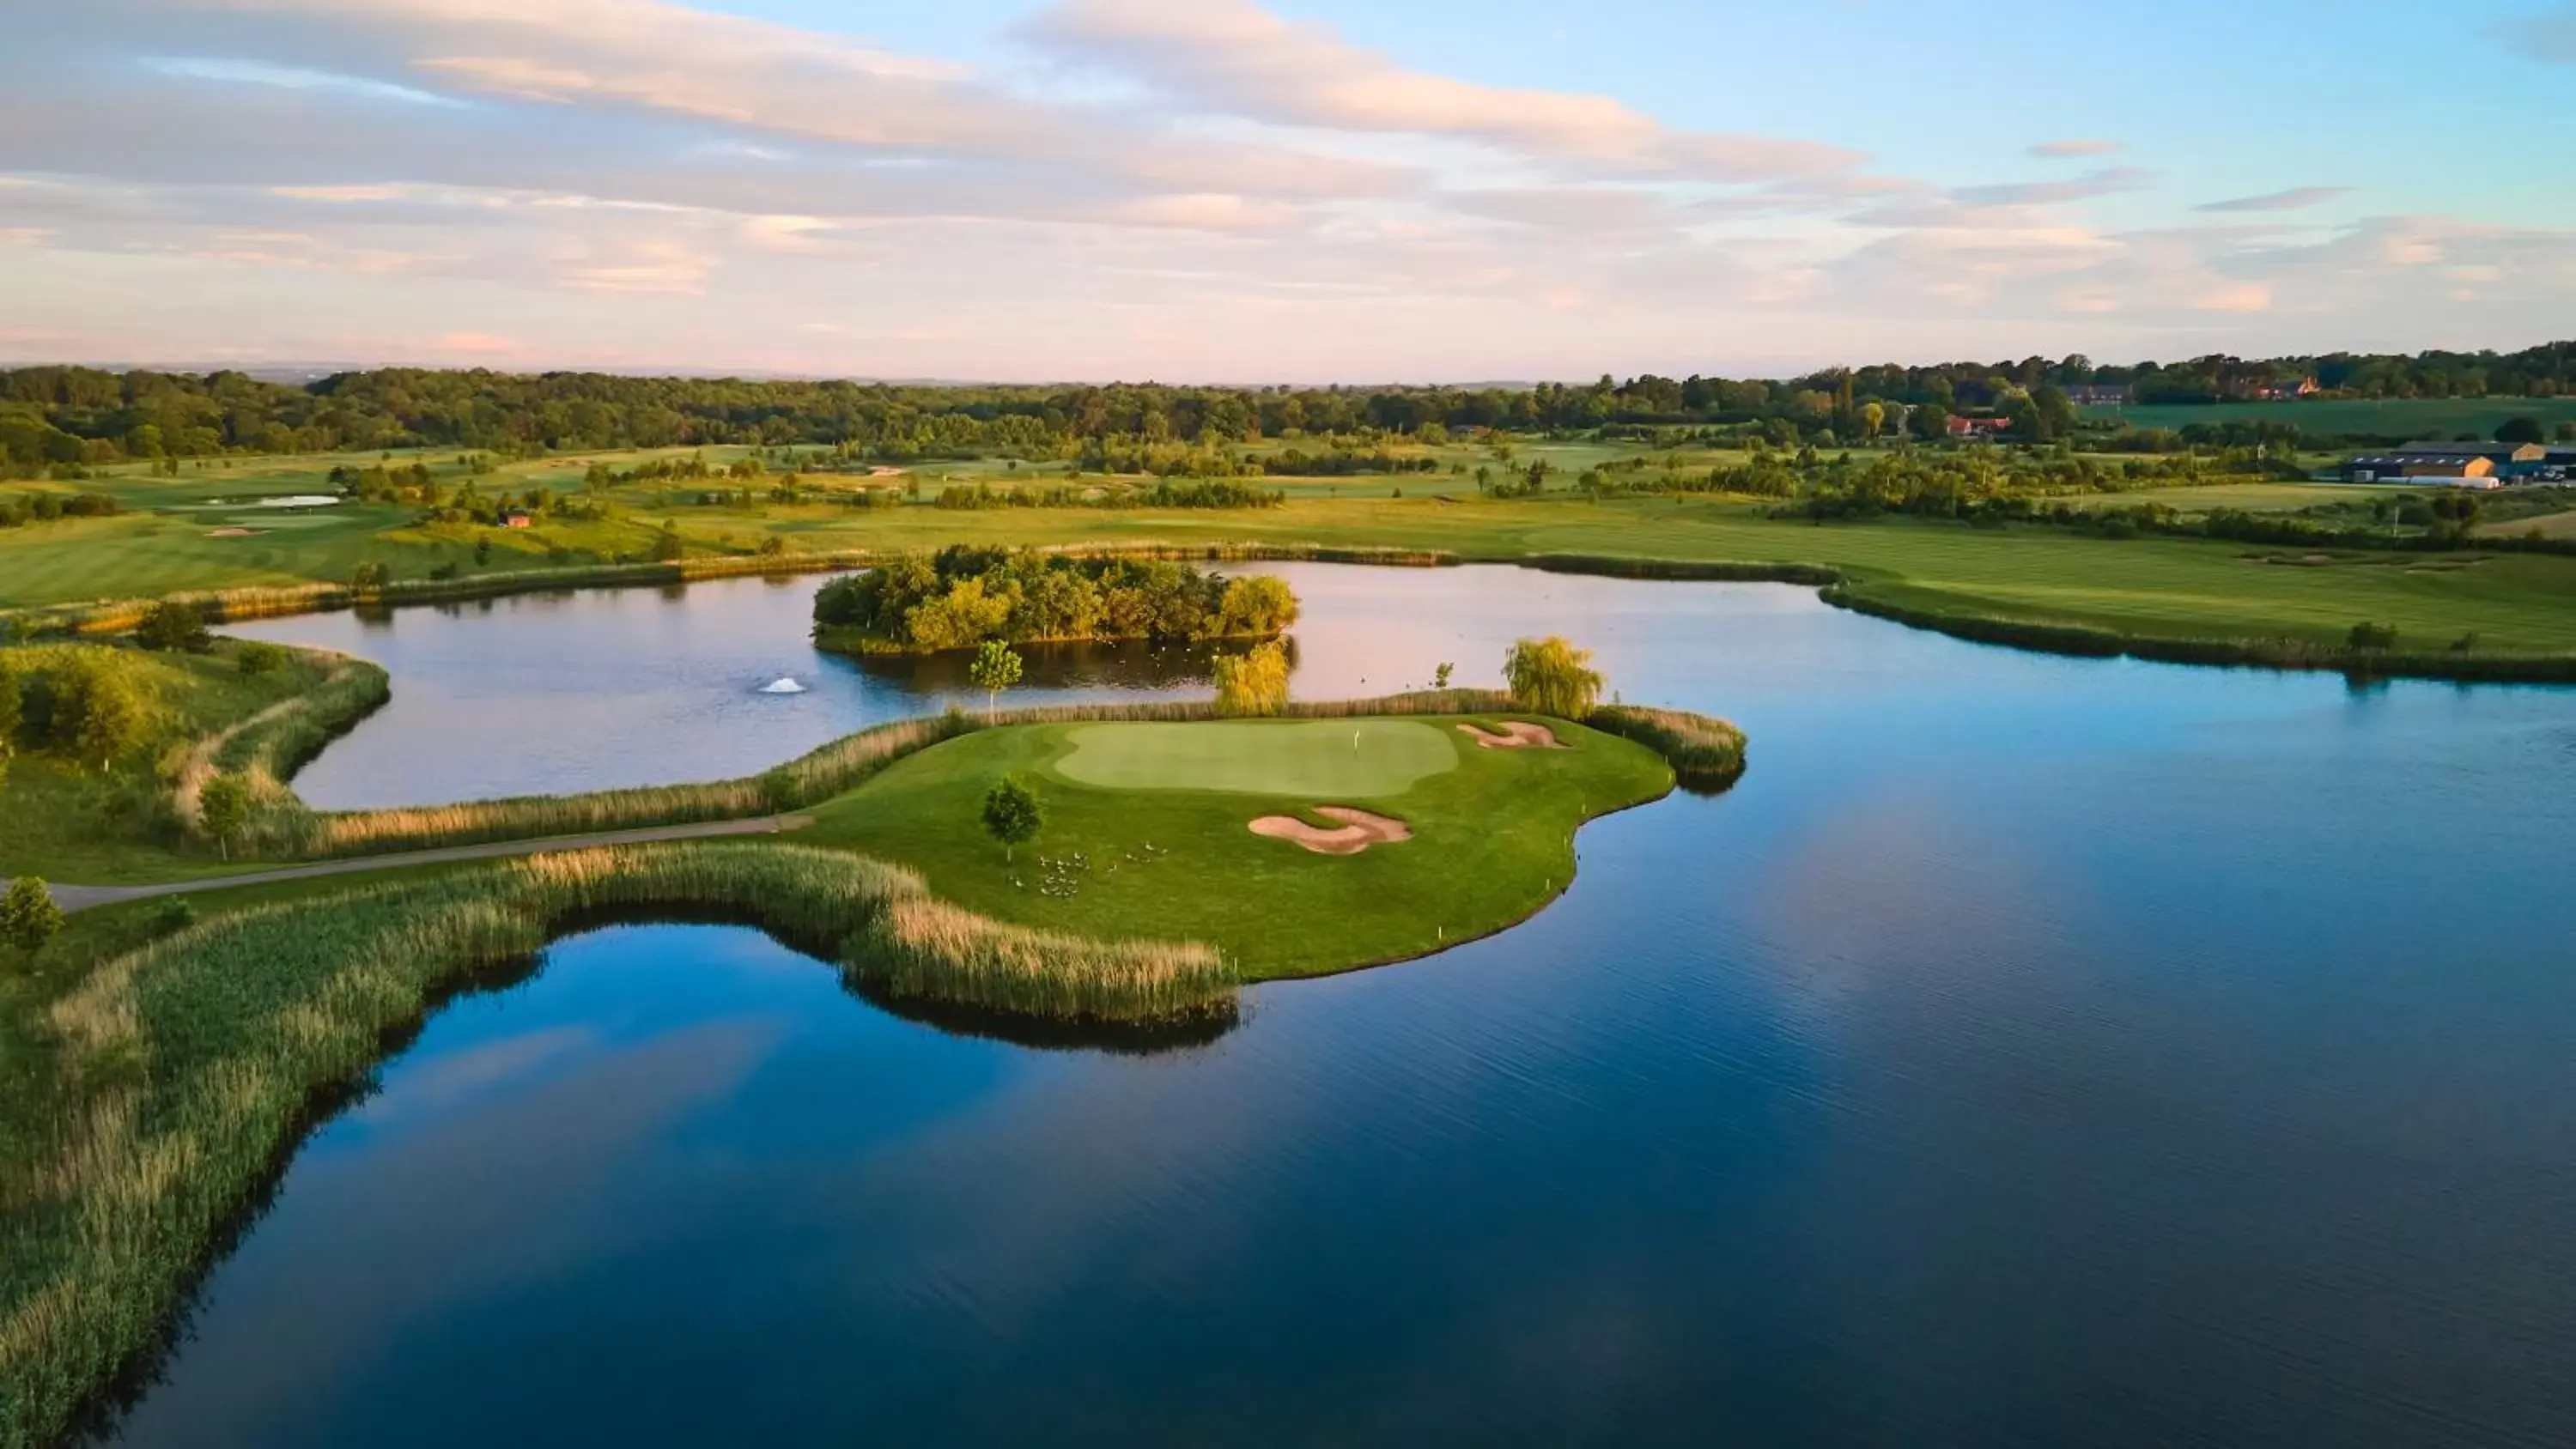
<point>1326,758</point>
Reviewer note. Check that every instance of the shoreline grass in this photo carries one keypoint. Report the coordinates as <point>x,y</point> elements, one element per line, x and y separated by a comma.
<point>187,1069</point>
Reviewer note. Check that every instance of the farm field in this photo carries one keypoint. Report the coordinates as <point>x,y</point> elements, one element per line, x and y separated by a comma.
<point>2409,418</point>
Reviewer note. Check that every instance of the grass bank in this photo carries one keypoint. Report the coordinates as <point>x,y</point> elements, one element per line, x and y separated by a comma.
<point>1492,831</point>
<point>178,1076</point>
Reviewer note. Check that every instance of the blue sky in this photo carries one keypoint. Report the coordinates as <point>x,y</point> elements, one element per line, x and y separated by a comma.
<point>1278,190</point>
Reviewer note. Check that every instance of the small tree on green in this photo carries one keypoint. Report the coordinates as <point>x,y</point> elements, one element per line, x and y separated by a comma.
<point>175,627</point>
<point>1440,675</point>
<point>28,916</point>
<point>1253,683</point>
<point>1012,814</point>
<point>257,659</point>
<point>667,546</point>
<point>2367,635</point>
<point>1551,676</point>
<point>223,810</point>
<point>996,668</point>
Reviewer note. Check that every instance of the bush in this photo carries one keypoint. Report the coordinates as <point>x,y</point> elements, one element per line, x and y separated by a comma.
<point>28,916</point>
<point>257,659</point>
<point>175,626</point>
<point>2367,635</point>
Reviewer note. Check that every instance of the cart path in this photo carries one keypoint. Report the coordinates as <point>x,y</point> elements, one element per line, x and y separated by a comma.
<point>83,897</point>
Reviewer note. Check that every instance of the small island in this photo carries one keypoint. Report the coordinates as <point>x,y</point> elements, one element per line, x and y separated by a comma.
<point>961,597</point>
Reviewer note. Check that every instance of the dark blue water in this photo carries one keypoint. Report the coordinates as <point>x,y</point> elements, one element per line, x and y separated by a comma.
<point>2027,1052</point>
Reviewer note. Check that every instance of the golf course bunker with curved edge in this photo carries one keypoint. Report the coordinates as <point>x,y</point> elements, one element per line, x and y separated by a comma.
<point>1407,839</point>
<point>1358,830</point>
<point>1512,734</point>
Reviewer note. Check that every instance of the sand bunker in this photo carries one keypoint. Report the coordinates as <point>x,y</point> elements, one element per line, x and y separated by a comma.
<point>229,532</point>
<point>1515,736</point>
<point>1358,831</point>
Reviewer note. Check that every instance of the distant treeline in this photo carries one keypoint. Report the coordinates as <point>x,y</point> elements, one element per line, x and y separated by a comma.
<point>67,417</point>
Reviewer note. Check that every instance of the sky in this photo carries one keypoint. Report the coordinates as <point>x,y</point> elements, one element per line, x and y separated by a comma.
<point>1259,191</point>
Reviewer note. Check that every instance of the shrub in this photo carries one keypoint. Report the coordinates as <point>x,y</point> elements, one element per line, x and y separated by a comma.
<point>2367,635</point>
<point>28,916</point>
<point>174,625</point>
<point>258,659</point>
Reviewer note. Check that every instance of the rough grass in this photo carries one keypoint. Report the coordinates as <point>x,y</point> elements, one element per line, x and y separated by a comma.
<point>185,1070</point>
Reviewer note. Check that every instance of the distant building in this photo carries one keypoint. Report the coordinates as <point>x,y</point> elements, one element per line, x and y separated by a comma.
<point>1963,426</point>
<point>2280,390</point>
<point>2495,463</point>
<point>2100,394</point>
<point>516,518</point>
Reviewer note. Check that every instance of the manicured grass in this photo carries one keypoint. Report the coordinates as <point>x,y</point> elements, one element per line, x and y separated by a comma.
<point>2148,587</point>
<point>1354,758</point>
<point>1493,839</point>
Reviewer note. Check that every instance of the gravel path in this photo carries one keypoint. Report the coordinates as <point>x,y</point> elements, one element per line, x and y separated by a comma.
<point>81,897</point>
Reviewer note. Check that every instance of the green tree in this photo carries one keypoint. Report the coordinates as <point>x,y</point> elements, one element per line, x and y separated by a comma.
<point>259,658</point>
<point>368,577</point>
<point>667,547</point>
<point>1256,604</point>
<point>13,709</point>
<point>223,809</point>
<point>2520,430</point>
<point>1551,676</point>
<point>98,713</point>
<point>2366,635</point>
<point>28,916</point>
<point>175,626</point>
<point>1440,676</point>
<point>1254,682</point>
<point>996,668</point>
<point>1012,813</point>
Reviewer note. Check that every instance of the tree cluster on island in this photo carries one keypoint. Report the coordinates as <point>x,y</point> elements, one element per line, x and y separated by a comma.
<point>962,596</point>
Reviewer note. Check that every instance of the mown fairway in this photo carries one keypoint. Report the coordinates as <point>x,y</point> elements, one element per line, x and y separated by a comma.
<point>1493,838</point>
<point>2158,587</point>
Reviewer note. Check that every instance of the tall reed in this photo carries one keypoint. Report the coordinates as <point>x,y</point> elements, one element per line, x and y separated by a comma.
<point>191,1066</point>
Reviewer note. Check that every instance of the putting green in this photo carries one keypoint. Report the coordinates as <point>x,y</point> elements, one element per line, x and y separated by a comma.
<point>1327,759</point>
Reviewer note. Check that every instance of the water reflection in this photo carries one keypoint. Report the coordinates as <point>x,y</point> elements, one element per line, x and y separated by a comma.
<point>2028,1051</point>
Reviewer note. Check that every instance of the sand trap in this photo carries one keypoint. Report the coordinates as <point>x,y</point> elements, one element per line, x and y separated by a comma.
<point>230,532</point>
<point>1358,831</point>
<point>1515,736</point>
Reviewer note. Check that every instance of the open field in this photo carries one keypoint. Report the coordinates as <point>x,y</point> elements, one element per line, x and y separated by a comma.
<point>2151,588</point>
<point>1492,834</point>
<point>2412,418</point>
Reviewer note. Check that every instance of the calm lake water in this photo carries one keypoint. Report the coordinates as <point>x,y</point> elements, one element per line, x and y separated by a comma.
<point>2028,1052</point>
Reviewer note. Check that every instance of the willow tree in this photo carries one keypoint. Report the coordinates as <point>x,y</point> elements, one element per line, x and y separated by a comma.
<point>1551,676</point>
<point>1254,682</point>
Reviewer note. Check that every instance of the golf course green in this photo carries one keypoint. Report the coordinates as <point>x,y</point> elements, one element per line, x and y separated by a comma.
<point>1148,830</point>
<point>1360,757</point>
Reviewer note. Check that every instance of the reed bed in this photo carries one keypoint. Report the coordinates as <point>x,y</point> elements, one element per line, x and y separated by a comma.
<point>191,1066</point>
<point>1706,753</point>
<point>267,748</point>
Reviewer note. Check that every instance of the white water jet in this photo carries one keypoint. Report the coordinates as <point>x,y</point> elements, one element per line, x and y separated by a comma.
<point>783,684</point>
